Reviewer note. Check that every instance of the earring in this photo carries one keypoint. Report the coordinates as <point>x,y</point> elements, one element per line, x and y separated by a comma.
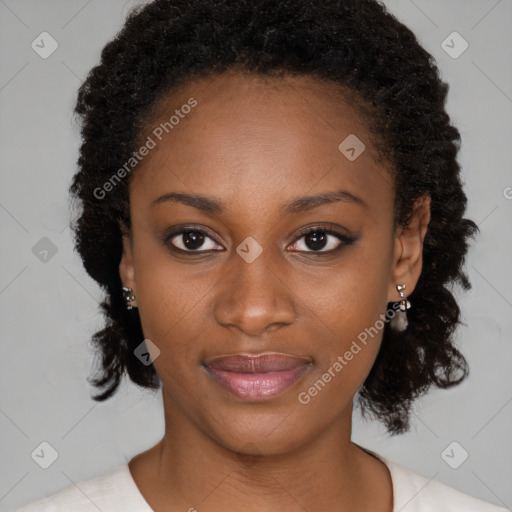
<point>399,321</point>
<point>128,297</point>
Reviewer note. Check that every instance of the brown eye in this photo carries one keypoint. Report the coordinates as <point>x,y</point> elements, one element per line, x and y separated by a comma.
<point>191,240</point>
<point>321,240</point>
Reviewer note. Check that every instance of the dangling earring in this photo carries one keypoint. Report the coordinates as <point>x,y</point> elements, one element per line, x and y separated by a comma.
<point>399,321</point>
<point>128,297</point>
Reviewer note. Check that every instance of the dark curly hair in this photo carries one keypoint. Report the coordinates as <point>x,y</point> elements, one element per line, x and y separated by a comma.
<point>354,44</point>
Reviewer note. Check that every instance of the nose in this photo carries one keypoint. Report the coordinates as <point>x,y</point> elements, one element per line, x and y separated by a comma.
<point>254,298</point>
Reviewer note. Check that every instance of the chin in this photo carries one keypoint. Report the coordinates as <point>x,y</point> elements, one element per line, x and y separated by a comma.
<point>261,433</point>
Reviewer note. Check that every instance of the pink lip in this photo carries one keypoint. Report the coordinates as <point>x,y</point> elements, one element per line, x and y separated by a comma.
<point>257,377</point>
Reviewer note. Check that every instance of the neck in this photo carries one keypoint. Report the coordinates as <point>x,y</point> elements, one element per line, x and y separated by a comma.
<point>190,470</point>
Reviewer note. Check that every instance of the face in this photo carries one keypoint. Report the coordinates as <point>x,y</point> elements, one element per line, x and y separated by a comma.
<point>260,254</point>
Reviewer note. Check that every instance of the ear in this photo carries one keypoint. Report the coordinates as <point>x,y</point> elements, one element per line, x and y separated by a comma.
<point>408,252</point>
<point>126,267</point>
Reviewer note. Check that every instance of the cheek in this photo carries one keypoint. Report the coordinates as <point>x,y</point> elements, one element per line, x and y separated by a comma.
<point>169,296</point>
<point>347,306</point>
<point>351,296</point>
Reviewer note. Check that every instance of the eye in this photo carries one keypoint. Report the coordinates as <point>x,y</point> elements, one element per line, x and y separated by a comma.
<point>316,240</point>
<point>191,240</point>
<point>321,240</point>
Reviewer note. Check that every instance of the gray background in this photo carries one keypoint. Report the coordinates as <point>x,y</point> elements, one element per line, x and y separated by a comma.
<point>50,308</point>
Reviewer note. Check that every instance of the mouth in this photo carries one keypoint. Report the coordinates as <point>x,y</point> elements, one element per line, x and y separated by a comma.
<point>257,377</point>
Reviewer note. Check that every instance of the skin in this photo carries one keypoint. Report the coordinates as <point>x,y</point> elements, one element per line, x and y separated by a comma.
<point>255,143</point>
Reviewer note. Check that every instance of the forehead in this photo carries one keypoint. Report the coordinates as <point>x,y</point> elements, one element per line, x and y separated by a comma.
<point>260,138</point>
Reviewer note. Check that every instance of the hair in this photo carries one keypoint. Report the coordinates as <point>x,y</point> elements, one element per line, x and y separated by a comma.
<point>353,44</point>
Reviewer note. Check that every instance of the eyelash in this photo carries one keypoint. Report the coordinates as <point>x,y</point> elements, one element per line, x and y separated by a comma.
<point>344,240</point>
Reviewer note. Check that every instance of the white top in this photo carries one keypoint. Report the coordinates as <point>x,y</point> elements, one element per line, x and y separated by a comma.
<point>116,491</point>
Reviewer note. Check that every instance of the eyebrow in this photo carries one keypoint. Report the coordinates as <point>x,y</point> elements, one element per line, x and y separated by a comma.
<point>294,206</point>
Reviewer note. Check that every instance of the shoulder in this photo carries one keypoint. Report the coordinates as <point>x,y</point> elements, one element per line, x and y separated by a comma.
<point>416,493</point>
<point>113,491</point>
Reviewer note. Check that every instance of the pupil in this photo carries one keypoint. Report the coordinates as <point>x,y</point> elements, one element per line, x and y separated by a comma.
<point>193,239</point>
<point>316,240</point>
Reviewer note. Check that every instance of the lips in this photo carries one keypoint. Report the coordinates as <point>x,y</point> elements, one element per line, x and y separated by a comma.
<point>260,363</point>
<point>257,377</point>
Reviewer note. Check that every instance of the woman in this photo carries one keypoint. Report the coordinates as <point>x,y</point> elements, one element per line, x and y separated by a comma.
<point>269,196</point>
